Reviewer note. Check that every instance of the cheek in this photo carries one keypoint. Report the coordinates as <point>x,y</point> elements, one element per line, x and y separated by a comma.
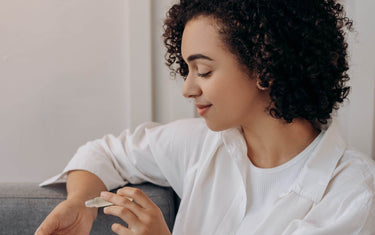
<point>236,97</point>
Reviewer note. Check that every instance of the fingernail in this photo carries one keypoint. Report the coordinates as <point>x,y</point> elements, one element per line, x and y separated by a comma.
<point>104,194</point>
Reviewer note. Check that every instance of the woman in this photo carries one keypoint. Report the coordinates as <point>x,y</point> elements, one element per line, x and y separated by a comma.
<point>265,157</point>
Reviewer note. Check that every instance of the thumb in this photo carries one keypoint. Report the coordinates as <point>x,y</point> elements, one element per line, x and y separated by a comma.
<point>48,226</point>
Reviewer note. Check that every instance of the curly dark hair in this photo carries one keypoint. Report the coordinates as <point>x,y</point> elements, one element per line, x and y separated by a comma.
<point>298,49</point>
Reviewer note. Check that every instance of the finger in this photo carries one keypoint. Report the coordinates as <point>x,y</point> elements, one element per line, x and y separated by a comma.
<point>122,201</point>
<point>138,195</point>
<point>119,229</point>
<point>125,214</point>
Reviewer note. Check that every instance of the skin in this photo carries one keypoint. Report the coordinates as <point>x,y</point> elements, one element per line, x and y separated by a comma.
<point>72,216</point>
<point>215,77</point>
<point>142,216</point>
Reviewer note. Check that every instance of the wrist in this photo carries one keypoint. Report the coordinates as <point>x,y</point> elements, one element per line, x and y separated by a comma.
<point>80,197</point>
<point>92,212</point>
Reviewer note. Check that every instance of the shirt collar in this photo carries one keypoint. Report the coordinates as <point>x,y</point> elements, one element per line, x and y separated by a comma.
<point>317,173</point>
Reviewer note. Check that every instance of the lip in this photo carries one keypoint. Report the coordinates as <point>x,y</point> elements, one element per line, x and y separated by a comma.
<point>202,109</point>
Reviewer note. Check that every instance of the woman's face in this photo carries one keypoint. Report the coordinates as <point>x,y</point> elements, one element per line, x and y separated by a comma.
<point>224,93</point>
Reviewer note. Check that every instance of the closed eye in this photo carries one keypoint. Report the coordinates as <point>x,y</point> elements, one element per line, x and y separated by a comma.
<point>204,74</point>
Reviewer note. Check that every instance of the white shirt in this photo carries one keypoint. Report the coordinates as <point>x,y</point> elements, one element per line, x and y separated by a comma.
<point>264,186</point>
<point>332,195</point>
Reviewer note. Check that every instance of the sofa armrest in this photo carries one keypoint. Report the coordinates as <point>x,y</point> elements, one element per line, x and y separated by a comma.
<point>23,206</point>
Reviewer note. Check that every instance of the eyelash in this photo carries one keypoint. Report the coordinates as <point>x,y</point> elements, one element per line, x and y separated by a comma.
<point>203,75</point>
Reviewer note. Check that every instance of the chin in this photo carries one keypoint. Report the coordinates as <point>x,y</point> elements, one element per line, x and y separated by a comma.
<point>214,126</point>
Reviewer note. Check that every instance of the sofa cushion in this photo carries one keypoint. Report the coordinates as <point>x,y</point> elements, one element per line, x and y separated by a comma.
<point>23,206</point>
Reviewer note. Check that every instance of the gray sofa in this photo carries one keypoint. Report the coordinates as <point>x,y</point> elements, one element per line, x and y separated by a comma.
<point>23,206</point>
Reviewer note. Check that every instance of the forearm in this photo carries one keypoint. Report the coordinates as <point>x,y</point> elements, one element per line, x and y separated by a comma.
<point>83,185</point>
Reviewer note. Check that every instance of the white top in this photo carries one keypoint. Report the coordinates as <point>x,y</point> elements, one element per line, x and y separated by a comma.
<point>266,185</point>
<point>333,194</point>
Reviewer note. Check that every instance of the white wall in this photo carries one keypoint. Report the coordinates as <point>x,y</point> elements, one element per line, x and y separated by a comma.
<point>62,70</point>
<point>169,104</point>
<point>357,117</point>
<point>72,71</point>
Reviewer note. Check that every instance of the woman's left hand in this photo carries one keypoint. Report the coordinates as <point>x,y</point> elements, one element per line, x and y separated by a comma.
<point>143,217</point>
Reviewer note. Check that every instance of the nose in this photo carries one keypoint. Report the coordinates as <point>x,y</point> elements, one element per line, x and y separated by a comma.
<point>191,88</point>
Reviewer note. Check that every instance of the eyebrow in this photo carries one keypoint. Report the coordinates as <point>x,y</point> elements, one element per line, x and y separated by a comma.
<point>198,56</point>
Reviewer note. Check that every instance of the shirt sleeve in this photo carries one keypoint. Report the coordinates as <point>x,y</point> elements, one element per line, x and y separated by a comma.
<point>153,153</point>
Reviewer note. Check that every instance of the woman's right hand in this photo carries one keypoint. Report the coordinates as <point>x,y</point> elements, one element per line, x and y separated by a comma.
<point>69,217</point>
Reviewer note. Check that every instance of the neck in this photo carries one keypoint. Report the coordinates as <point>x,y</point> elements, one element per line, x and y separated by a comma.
<point>272,142</point>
